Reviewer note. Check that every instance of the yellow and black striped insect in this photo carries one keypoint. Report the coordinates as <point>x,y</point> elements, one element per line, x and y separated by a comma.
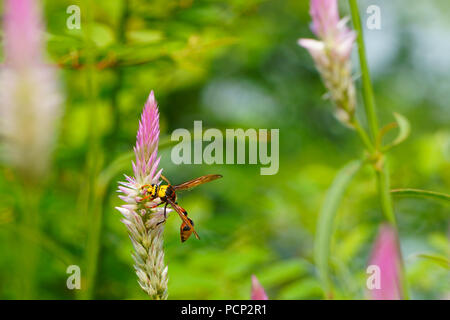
<point>166,193</point>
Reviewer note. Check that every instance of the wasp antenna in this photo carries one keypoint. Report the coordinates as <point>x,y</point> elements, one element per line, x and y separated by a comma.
<point>165,179</point>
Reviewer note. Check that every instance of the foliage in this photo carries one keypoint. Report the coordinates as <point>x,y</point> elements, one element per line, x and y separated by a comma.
<point>232,64</point>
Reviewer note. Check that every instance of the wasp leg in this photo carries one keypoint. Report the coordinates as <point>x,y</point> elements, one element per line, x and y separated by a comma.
<point>165,211</point>
<point>157,205</point>
<point>160,222</point>
<point>145,198</point>
<point>165,214</point>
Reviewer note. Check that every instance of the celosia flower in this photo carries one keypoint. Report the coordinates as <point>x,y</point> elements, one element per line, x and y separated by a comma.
<point>258,292</point>
<point>30,96</point>
<point>146,224</point>
<point>331,54</point>
<point>386,256</point>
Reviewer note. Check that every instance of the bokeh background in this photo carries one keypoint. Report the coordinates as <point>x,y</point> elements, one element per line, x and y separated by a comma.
<point>232,64</point>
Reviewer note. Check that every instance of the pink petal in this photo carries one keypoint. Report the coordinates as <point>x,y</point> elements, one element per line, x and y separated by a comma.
<point>258,292</point>
<point>23,32</point>
<point>386,255</point>
<point>147,138</point>
<point>325,17</point>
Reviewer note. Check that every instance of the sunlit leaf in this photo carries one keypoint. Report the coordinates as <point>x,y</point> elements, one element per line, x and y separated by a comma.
<point>325,224</point>
<point>417,193</point>
<point>440,260</point>
<point>404,130</point>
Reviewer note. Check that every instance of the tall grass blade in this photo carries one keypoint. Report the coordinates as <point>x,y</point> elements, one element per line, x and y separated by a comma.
<point>417,193</point>
<point>325,224</point>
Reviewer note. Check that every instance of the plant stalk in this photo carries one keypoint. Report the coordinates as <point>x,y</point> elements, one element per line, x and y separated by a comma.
<point>382,172</point>
<point>368,95</point>
<point>93,217</point>
<point>30,255</point>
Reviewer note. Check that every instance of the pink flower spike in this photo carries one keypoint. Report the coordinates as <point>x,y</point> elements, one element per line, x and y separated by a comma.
<point>331,54</point>
<point>258,292</point>
<point>147,138</point>
<point>325,17</point>
<point>145,222</point>
<point>386,256</point>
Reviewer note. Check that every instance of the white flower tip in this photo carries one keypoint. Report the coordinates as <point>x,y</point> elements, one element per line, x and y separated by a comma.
<point>311,44</point>
<point>122,210</point>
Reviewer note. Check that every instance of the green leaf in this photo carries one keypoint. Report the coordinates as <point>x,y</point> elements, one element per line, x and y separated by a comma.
<point>325,224</point>
<point>417,193</point>
<point>145,36</point>
<point>351,243</point>
<point>404,130</point>
<point>440,260</point>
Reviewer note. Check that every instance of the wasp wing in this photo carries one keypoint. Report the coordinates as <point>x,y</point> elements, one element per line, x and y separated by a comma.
<point>197,181</point>
<point>187,227</point>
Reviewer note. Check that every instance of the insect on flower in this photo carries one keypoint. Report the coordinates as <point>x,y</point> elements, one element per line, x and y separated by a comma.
<point>166,193</point>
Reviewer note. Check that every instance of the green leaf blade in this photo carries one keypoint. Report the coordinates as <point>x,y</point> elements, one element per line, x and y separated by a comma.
<point>417,193</point>
<point>325,224</point>
<point>404,131</point>
<point>437,259</point>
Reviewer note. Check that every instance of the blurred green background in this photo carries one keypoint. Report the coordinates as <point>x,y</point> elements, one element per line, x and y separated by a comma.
<point>233,64</point>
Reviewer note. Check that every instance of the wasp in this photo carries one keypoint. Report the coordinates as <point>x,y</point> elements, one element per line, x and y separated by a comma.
<point>167,194</point>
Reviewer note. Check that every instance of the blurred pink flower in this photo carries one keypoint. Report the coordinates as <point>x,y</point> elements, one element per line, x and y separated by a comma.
<point>23,32</point>
<point>331,54</point>
<point>325,16</point>
<point>386,256</point>
<point>332,31</point>
<point>30,95</point>
<point>258,292</point>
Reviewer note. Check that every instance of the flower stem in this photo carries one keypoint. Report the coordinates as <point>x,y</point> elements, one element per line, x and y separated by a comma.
<point>382,172</point>
<point>382,177</point>
<point>368,95</point>
<point>93,202</point>
<point>120,74</point>
<point>369,103</point>
<point>30,254</point>
<point>363,135</point>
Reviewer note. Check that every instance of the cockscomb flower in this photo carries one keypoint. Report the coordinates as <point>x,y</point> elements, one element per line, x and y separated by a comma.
<point>258,292</point>
<point>386,257</point>
<point>331,54</point>
<point>30,97</point>
<point>145,224</point>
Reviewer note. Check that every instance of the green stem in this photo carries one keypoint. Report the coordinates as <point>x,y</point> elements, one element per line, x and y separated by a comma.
<point>93,217</point>
<point>382,173</point>
<point>382,177</point>
<point>369,98</point>
<point>119,71</point>
<point>30,253</point>
<point>363,135</point>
